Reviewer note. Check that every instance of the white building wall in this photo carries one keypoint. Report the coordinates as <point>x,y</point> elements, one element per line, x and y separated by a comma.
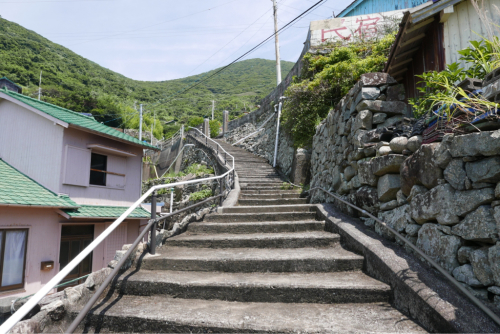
<point>31,144</point>
<point>464,25</point>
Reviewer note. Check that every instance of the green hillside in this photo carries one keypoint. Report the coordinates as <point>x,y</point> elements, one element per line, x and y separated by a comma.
<point>79,84</point>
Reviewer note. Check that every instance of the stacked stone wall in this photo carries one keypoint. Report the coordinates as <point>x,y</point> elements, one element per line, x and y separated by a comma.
<point>444,197</point>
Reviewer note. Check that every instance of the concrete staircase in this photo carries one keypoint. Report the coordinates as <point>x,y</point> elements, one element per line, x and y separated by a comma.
<point>266,265</point>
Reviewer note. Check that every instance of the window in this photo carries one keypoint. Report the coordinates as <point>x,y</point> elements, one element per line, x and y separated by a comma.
<point>13,245</point>
<point>98,168</point>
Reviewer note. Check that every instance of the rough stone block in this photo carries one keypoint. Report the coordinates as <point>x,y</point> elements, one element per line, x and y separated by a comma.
<point>55,310</point>
<point>363,121</point>
<point>485,143</point>
<point>366,175</point>
<point>412,229</point>
<point>388,186</point>
<point>481,266</point>
<point>389,205</point>
<point>440,247</point>
<point>369,93</point>
<point>390,122</point>
<point>384,150</point>
<point>367,198</point>
<point>389,107</point>
<point>486,170</point>
<point>420,169</point>
<point>469,200</point>
<point>479,225</point>
<point>387,164</point>
<point>398,144</point>
<point>436,204</point>
<point>465,274</point>
<point>379,118</point>
<point>301,166</point>
<point>455,174</point>
<point>414,143</point>
<point>416,190</point>
<point>396,93</point>
<point>494,259</point>
<point>349,173</point>
<point>464,253</point>
<point>398,218</point>
<point>377,79</point>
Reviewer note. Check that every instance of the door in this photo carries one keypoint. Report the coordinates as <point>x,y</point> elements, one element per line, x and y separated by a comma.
<point>74,238</point>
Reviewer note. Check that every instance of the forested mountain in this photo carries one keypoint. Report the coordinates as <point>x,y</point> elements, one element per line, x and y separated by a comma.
<point>79,84</point>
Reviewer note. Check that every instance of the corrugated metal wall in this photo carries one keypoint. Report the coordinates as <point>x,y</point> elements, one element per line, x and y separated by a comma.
<point>379,6</point>
<point>464,25</point>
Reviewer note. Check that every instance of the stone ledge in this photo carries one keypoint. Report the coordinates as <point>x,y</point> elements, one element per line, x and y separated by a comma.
<point>419,291</point>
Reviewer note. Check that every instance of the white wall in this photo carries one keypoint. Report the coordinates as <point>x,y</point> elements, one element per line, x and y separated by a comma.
<point>31,144</point>
<point>464,25</point>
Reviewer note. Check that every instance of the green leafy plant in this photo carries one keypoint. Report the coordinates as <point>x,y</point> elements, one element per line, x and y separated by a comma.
<point>198,169</point>
<point>195,121</point>
<point>325,80</point>
<point>214,128</point>
<point>286,186</point>
<point>200,195</point>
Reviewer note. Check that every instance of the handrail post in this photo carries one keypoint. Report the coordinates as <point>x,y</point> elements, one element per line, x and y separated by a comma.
<point>221,189</point>
<point>225,158</point>
<point>152,245</point>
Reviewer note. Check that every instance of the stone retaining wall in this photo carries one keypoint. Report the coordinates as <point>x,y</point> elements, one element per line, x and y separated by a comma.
<point>444,197</point>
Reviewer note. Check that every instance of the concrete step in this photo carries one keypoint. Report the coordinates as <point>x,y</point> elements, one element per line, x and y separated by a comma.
<point>248,260</point>
<point>255,240</point>
<point>257,227</point>
<point>269,192</point>
<point>261,179</point>
<point>260,217</point>
<point>277,195</point>
<point>255,187</point>
<point>325,288</point>
<point>155,314</point>
<point>268,208</point>
<point>269,201</point>
<point>261,184</point>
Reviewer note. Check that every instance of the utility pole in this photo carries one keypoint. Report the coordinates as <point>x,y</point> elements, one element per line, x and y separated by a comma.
<point>140,122</point>
<point>213,107</point>
<point>276,41</point>
<point>154,123</point>
<point>40,87</point>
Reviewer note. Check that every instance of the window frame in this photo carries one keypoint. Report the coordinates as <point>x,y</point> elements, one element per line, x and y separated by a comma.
<point>104,172</point>
<point>2,253</point>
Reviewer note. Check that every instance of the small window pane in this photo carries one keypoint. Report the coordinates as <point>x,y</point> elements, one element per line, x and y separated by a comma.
<point>13,260</point>
<point>98,162</point>
<point>73,230</point>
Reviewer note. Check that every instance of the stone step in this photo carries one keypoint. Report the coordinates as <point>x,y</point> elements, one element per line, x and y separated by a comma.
<point>257,227</point>
<point>255,240</point>
<point>260,217</point>
<point>261,179</point>
<point>268,208</point>
<point>248,260</point>
<point>269,201</point>
<point>155,314</point>
<point>258,187</point>
<point>269,192</point>
<point>324,288</point>
<point>261,184</point>
<point>277,195</point>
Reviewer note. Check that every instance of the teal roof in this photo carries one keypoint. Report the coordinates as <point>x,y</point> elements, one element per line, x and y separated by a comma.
<point>10,81</point>
<point>97,211</point>
<point>74,118</point>
<point>18,189</point>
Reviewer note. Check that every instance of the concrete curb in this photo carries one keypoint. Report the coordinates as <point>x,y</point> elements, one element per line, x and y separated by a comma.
<point>420,292</point>
<point>234,195</point>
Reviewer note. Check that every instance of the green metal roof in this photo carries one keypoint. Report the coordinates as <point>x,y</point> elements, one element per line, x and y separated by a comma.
<point>18,189</point>
<point>97,211</point>
<point>74,118</point>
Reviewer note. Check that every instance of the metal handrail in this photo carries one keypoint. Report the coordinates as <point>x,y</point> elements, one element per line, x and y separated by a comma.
<point>216,143</point>
<point>259,130</point>
<point>86,309</point>
<point>450,278</point>
<point>32,302</point>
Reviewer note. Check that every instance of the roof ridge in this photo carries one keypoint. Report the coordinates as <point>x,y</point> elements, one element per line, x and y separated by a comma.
<point>52,105</point>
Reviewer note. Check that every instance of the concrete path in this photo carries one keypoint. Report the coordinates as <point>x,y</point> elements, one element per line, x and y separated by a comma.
<point>264,266</point>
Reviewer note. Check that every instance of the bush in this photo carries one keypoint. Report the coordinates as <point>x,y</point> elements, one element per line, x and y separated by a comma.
<point>200,195</point>
<point>195,121</point>
<point>325,80</point>
<point>214,128</point>
<point>198,169</point>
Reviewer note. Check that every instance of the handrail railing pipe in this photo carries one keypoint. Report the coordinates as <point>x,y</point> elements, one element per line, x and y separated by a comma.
<point>259,130</point>
<point>450,278</point>
<point>217,144</point>
<point>33,301</point>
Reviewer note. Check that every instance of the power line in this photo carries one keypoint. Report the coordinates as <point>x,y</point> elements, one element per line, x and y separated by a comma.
<point>248,52</point>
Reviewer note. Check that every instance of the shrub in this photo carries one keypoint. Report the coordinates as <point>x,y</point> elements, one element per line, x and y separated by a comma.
<point>195,121</point>
<point>214,128</point>
<point>325,80</point>
<point>200,195</point>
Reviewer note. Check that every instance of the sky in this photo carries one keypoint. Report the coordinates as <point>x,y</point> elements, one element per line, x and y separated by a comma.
<point>154,40</point>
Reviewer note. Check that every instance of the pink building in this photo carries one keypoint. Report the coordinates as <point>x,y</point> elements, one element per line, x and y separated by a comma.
<point>64,177</point>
